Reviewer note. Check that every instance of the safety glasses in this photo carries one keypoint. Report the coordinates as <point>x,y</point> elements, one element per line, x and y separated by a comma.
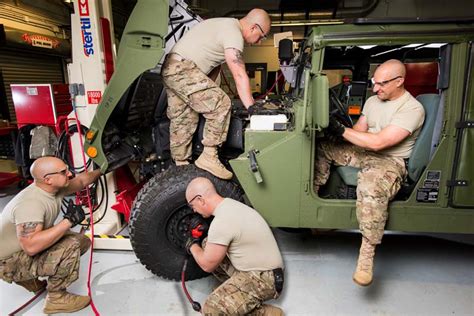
<point>190,203</point>
<point>63,172</point>
<point>383,83</point>
<point>263,36</point>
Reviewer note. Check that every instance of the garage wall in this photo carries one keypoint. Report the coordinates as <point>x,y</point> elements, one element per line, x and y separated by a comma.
<point>23,68</point>
<point>423,8</point>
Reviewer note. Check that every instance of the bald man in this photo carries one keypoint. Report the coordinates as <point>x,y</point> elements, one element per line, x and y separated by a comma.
<point>32,245</point>
<point>191,92</point>
<point>379,143</point>
<point>240,250</point>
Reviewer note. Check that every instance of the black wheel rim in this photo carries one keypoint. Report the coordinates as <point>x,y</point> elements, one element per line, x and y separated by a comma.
<point>177,226</point>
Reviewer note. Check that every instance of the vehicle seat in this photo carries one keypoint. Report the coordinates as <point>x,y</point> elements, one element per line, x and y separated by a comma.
<point>420,155</point>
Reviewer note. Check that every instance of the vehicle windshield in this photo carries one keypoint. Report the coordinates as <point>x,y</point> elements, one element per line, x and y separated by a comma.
<point>350,68</point>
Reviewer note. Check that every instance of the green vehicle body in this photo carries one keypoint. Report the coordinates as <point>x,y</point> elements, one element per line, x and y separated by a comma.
<point>281,189</point>
<point>286,198</point>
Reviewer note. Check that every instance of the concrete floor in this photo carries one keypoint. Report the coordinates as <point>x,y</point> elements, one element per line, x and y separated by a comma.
<point>414,275</point>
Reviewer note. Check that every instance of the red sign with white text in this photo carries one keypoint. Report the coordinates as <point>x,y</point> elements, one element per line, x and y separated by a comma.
<point>93,97</point>
<point>83,7</point>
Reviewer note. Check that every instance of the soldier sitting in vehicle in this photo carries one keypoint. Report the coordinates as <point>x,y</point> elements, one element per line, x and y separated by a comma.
<point>252,272</point>
<point>32,246</point>
<point>379,144</point>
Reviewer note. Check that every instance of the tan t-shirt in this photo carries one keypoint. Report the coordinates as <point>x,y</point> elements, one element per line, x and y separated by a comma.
<point>405,112</point>
<point>251,245</point>
<point>30,205</point>
<point>206,42</point>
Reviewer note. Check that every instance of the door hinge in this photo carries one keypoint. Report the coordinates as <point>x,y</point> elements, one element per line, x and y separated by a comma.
<point>457,183</point>
<point>464,124</point>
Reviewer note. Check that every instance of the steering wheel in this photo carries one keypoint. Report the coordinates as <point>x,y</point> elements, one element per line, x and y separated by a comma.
<point>337,110</point>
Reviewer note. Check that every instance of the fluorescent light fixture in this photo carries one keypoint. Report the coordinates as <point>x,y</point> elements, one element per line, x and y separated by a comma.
<point>386,52</point>
<point>434,45</point>
<point>415,46</point>
<point>412,45</point>
<point>366,46</point>
<point>306,22</point>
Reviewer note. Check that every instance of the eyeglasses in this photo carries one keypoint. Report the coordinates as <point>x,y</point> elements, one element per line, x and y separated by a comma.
<point>263,36</point>
<point>190,203</point>
<point>383,83</point>
<point>63,172</point>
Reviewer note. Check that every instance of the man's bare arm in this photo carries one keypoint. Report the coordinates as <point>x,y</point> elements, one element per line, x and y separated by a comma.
<point>361,125</point>
<point>236,56</point>
<point>33,239</point>
<point>81,181</point>
<point>236,64</point>
<point>209,258</point>
<point>386,138</point>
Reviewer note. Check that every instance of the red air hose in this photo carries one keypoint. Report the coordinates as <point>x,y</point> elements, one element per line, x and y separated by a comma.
<point>196,306</point>
<point>91,218</point>
<point>27,303</point>
<point>271,88</point>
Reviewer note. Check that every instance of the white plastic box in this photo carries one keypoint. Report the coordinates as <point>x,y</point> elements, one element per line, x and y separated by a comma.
<point>266,122</point>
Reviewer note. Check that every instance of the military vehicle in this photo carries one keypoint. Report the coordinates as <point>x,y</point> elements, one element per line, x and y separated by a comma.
<point>274,166</point>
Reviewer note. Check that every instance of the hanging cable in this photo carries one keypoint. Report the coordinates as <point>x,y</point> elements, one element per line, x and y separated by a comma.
<point>63,148</point>
<point>273,86</point>
<point>104,196</point>
<point>106,204</point>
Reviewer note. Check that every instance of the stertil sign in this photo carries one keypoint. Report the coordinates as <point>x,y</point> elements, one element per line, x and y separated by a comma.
<point>87,37</point>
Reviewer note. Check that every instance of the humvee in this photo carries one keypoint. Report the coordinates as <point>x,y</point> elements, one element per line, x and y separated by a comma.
<point>274,167</point>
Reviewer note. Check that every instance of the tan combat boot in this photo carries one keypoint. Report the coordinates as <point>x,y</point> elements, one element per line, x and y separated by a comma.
<point>365,264</point>
<point>64,302</point>
<point>33,285</point>
<point>209,161</point>
<point>267,310</point>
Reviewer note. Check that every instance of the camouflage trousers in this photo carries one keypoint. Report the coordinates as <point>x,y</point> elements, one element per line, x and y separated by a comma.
<point>241,293</point>
<point>191,92</point>
<point>59,263</point>
<point>378,182</point>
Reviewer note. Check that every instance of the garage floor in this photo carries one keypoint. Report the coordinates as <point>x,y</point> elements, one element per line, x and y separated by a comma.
<point>414,275</point>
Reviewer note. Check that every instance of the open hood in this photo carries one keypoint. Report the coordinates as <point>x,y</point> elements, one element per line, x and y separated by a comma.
<point>141,48</point>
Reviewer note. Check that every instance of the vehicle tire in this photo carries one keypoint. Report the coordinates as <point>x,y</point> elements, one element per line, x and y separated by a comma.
<point>160,217</point>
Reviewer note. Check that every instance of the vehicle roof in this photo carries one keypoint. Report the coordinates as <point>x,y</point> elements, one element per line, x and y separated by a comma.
<point>391,34</point>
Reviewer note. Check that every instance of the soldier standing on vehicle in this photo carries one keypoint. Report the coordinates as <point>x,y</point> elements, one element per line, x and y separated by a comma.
<point>32,246</point>
<point>252,272</point>
<point>379,143</point>
<point>190,90</point>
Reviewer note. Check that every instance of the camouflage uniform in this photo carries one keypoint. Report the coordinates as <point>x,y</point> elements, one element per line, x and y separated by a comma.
<point>60,263</point>
<point>191,92</point>
<point>241,293</point>
<point>378,182</point>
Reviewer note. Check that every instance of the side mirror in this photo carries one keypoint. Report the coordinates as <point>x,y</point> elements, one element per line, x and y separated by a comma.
<point>285,51</point>
<point>319,87</point>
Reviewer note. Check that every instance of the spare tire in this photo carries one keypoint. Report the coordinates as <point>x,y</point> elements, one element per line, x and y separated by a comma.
<point>160,217</point>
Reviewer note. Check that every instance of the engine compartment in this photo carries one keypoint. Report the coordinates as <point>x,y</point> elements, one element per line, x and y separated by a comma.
<point>138,129</point>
